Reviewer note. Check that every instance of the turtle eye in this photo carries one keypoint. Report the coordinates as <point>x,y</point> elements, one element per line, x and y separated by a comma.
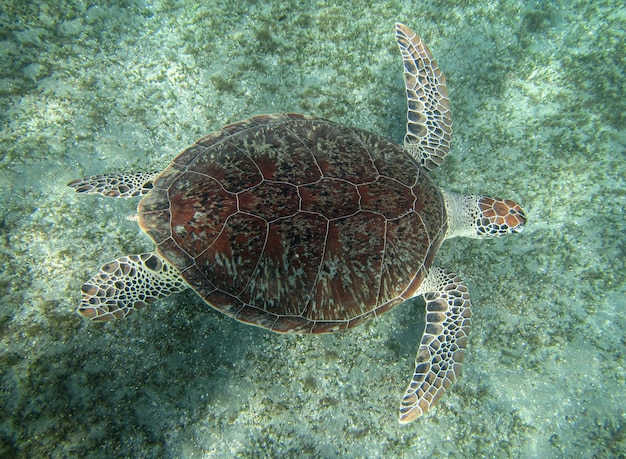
<point>485,228</point>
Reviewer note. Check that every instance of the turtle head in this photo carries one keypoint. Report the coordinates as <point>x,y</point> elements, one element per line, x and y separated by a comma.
<point>498,217</point>
<point>482,216</point>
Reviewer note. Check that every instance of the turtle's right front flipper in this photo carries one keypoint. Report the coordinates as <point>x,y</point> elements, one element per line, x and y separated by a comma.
<point>127,284</point>
<point>438,361</point>
<point>116,185</point>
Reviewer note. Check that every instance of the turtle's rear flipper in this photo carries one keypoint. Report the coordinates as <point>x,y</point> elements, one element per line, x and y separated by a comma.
<point>438,361</point>
<point>116,185</point>
<point>127,284</point>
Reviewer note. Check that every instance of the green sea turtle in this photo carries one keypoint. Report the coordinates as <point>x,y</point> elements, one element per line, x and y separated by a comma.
<point>301,225</point>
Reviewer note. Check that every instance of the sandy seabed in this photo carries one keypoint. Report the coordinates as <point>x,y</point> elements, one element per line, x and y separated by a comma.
<point>537,95</point>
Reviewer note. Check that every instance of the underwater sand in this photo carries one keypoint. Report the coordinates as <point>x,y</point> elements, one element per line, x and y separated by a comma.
<point>537,94</point>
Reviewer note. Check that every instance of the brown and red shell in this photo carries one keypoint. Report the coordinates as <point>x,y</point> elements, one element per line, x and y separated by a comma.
<point>296,224</point>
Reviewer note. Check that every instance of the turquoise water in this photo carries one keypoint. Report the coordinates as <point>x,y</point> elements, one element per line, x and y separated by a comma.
<point>537,94</point>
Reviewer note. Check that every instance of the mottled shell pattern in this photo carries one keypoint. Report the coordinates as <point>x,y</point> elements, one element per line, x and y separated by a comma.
<point>296,224</point>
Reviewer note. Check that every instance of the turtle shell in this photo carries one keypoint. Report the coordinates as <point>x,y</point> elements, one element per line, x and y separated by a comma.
<point>296,224</point>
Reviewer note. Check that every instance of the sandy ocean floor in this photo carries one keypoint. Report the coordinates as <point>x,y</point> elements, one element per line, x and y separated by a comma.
<point>537,93</point>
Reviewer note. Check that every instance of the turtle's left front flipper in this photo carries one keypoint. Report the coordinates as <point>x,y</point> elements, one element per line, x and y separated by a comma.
<point>429,122</point>
<point>127,284</point>
<point>438,361</point>
<point>116,185</point>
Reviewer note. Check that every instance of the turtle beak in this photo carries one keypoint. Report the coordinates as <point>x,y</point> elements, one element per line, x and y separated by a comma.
<point>517,213</point>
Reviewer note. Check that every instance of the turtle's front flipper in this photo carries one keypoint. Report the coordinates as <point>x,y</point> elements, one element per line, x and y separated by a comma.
<point>438,361</point>
<point>127,284</point>
<point>115,185</point>
<point>429,122</point>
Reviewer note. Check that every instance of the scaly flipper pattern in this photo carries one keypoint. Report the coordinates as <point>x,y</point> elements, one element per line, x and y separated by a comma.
<point>116,185</point>
<point>438,361</point>
<point>127,284</point>
<point>429,121</point>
